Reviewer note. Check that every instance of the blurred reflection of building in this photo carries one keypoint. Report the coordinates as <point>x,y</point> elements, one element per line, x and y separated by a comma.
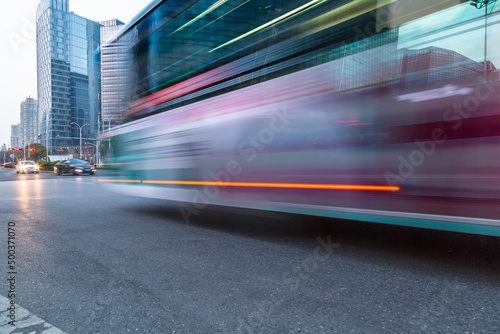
<point>112,64</point>
<point>493,73</point>
<point>15,138</point>
<point>68,74</point>
<point>434,67</point>
<point>29,121</point>
<point>367,62</point>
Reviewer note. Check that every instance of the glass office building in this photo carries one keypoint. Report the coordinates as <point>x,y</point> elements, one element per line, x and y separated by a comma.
<point>68,66</point>
<point>29,121</point>
<point>112,65</point>
<point>15,138</point>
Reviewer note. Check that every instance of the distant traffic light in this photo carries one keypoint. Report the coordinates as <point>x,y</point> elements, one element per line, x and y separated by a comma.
<point>32,149</point>
<point>11,149</point>
<point>18,149</point>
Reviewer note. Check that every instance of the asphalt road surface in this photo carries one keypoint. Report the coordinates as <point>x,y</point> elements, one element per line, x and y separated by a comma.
<point>90,261</point>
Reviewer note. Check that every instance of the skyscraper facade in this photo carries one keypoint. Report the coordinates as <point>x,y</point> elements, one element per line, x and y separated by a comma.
<point>112,63</point>
<point>15,139</point>
<point>68,66</point>
<point>435,67</point>
<point>29,121</point>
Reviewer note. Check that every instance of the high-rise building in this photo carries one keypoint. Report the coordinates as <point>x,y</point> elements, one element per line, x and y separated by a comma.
<point>112,65</point>
<point>434,67</point>
<point>29,121</point>
<point>68,66</point>
<point>15,138</point>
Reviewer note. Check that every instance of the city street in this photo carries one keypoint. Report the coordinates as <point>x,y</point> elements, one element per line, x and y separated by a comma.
<point>92,261</point>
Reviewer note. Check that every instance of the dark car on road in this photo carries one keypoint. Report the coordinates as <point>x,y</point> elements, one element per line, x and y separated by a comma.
<point>9,164</point>
<point>74,166</point>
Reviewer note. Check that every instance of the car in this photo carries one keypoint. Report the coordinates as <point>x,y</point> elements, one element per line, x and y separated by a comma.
<point>74,166</point>
<point>9,164</point>
<point>27,166</point>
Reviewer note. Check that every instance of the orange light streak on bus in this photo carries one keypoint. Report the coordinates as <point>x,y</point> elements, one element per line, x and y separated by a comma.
<point>262,185</point>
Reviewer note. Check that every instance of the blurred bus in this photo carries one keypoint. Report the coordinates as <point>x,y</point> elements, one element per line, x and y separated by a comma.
<point>375,110</point>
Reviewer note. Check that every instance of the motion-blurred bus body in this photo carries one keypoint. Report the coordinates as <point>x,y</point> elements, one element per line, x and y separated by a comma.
<point>383,111</point>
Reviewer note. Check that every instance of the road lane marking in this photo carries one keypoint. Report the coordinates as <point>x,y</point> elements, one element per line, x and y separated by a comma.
<point>25,321</point>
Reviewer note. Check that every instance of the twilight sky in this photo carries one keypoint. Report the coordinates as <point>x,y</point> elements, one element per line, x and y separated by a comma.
<point>18,48</point>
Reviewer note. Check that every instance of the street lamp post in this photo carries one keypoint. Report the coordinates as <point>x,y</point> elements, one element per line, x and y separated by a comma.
<point>97,151</point>
<point>484,4</point>
<point>109,129</point>
<point>98,138</point>
<point>98,135</point>
<point>81,127</point>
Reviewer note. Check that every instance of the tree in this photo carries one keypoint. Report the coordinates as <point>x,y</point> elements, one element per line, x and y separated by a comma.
<point>106,145</point>
<point>38,151</point>
<point>103,148</point>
